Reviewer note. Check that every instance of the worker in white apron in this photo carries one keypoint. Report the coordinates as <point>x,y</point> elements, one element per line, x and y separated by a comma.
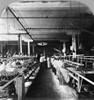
<point>48,62</point>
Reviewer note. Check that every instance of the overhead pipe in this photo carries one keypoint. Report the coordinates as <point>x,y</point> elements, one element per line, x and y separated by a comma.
<point>17,18</point>
<point>13,33</point>
<point>81,28</point>
<point>44,17</point>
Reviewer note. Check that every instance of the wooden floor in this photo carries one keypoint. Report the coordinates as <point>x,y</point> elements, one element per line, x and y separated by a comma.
<point>46,87</point>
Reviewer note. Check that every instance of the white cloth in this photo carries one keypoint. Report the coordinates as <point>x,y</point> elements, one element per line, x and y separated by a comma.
<point>52,61</point>
<point>63,73</point>
<point>14,64</point>
<point>48,62</point>
<point>42,58</point>
<point>74,54</point>
<point>60,64</point>
<point>2,67</point>
<point>55,64</point>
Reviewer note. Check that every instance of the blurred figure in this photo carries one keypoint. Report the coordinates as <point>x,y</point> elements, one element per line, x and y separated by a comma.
<point>38,57</point>
<point>42,58</point>
<point>48,62</point>
<point>42,61</point>
<point>74,56</point>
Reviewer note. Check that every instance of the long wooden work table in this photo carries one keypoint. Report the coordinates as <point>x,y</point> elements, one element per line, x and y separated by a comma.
<point>21,78</point>
<point>79,76</point>
<point>79,72</point>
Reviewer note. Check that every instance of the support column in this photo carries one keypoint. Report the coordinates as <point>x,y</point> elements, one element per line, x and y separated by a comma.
<point>19,44</point>
<point>74,42</point>
<point>28,47</point>
<point>64,48</point>
<point>74,46</point>
<point>33,49</point>
<point>20,87</point>
<point>1,50</point>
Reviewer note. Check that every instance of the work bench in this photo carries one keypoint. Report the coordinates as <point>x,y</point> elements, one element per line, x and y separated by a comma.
<point>79,76</point>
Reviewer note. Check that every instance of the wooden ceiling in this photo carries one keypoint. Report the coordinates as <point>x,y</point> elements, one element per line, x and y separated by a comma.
<point>49,21</point>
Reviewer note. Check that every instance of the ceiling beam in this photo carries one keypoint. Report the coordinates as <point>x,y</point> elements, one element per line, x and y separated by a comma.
<point>60,29</point>
<point>45,28</point>
<point>53,29</point>
<point>54,39</point>
<point>47,9</point>
<point>13,33</point>
<point>44,1</point>
<point>50,33</point>
<point>20,22</point>
<point>51,9</point>
<point>82,29</point>
<point>42,39</point>
<point>76,17</point>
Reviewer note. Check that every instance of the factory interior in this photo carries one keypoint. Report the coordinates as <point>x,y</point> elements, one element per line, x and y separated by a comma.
<point>46,49</point>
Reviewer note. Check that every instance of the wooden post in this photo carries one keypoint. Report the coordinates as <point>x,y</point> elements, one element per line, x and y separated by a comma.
<point>74,42</point>
<point>78,87</point>
<point>20,88</point>
<point>28,48</point>
<point>86,63</point>
<point>1,50</point>
<point>33,48</point>
<point>78,59</point>
<point>19,44</point>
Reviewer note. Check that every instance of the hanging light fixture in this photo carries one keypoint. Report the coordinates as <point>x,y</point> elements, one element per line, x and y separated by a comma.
<point>42,43</point>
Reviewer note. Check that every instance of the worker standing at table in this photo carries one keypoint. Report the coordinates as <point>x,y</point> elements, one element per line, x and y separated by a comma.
<point>48,62</point>
<point>61,71</point>
<point>74,55</point>
<point>42,60</point>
